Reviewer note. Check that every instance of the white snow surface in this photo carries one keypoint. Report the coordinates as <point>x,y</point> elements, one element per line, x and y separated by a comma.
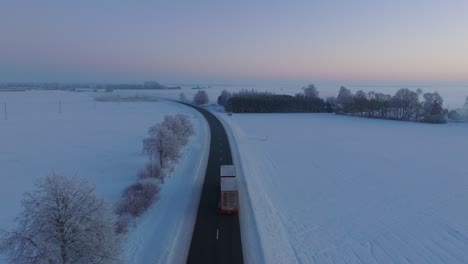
<point>336,189</point>
<point>101,142</point>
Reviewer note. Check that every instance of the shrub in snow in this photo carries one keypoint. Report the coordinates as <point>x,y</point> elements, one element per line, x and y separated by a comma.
<point>152,170</point>
<point>62,221</point>
<point>454,115</point>
<point>122,223</point>
<point>137,198</point>
<point>201,97</point>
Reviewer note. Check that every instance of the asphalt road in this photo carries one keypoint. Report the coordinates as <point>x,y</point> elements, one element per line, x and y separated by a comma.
<point>216,238</point>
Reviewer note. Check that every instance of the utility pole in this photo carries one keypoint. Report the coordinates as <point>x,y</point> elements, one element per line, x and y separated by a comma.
<point>60,107</point>
<point>5,112</point>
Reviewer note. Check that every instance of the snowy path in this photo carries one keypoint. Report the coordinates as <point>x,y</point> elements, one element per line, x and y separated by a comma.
<point>331,189</point>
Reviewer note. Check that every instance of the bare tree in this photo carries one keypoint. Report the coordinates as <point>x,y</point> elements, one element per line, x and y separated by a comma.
<point>361,102</point>
<point>383,104</point>
<point>406,104</point>
<point>63,221</point>
<point>201,97</point>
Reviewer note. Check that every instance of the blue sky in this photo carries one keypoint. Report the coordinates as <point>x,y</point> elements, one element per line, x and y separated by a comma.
<point>223,41</point>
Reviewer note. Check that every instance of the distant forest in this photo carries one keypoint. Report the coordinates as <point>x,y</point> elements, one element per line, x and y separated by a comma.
<point>404,105</point>
<point>264,102</point>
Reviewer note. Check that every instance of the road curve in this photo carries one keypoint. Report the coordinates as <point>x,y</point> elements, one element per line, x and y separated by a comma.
<point>216,238</point>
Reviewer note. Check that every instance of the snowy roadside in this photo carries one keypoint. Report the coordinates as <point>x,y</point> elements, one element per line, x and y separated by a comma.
<point>164,232</point>
<point>334,189</point>
<point>262,241</point>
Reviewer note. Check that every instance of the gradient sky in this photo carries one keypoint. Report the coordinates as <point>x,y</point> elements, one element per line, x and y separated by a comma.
<point>186,41</point>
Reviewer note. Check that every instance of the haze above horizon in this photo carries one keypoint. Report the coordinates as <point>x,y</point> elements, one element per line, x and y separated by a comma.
<point>241,41</point>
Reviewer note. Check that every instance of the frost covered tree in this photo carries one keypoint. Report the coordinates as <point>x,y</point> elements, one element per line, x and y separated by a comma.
<point>201,97</point>
<point>433,108</point>
<point>165,141</point>
<point>162,145</point>
<point>63,221</point>
<point>180,125</point>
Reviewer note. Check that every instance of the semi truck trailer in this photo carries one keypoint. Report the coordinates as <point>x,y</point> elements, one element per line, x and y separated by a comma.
<point>229,202</point>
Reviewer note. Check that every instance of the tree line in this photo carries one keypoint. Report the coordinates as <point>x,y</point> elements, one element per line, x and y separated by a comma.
<point>252,101</point>
<point>405,104</point>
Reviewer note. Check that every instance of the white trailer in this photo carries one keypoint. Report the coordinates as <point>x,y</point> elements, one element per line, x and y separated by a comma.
<point>229,202</point>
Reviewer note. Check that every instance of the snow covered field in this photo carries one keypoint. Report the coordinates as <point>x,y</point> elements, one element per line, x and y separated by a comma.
<point>335,189</point>
<point>103,143</point>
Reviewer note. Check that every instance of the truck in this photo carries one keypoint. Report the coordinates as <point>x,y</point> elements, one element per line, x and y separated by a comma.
<point>229,202</point>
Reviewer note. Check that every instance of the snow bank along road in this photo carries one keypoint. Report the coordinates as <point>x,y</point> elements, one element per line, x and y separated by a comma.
<point>216,238</point>
<point>336,189</point>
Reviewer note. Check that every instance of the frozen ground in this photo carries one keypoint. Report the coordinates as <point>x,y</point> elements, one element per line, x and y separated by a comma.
<point>334,189</point>
<point>100,142</point>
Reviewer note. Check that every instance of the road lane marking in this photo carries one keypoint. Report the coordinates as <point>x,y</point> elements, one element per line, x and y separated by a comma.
<point>217,234</point>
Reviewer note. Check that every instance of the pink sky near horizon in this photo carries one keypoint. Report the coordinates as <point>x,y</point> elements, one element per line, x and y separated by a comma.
<point>173,40</point>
